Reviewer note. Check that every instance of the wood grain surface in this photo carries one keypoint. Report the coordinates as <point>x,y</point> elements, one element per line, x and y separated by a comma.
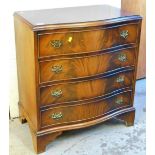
<point>83,90</point>
<point>83,16</point>
<point>26,71</point>
<point>75,113</point>
<point>78,67</point>
<point>86,41</point>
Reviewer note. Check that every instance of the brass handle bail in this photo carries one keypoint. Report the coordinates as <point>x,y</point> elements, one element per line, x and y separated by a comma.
<point>120,79</point>
<point>56,93</point>
<point>122,57</point>
<point>56,43</point>
<point>124,34</point>
<point>57,69</point>
<point>119,101</point>
<point>56,116</point>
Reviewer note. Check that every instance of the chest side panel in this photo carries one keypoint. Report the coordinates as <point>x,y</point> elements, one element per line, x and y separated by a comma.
<point>26,70</point>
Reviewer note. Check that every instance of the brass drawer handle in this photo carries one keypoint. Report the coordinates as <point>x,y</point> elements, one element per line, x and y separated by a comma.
<point>124,34</point>
<point>120,79</point>
<point>56,69</point>
<point>119,101</point>
<point>56,43</point>
<point>56,93</point>
<point>56,116</point>
<point>122,57</point>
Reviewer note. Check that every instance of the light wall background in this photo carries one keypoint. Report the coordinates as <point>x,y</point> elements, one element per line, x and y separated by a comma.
<point>8,35</point>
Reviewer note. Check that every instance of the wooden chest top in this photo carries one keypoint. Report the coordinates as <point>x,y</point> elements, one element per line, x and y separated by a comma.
<point>76,16</point>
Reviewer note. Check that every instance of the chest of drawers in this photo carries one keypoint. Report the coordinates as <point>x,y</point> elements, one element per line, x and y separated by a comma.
<point>76,68</point>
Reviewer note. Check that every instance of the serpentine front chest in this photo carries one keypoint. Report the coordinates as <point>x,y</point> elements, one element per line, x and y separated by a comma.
<point>76,68</point>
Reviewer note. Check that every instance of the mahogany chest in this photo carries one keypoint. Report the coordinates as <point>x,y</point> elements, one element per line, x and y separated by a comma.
<point>76,68</point>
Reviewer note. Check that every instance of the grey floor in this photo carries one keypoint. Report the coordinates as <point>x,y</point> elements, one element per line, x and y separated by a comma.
<point>109,138</point>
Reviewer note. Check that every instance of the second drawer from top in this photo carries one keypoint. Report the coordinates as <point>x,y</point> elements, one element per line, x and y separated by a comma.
<point>79,67</point>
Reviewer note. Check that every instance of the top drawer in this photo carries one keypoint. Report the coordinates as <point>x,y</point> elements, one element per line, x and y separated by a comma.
<point>84,41</point>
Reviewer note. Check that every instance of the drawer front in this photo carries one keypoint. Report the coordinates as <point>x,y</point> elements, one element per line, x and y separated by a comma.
<point>75,91</point>
<point>71,42</point>
<point>70,68</point>
<point>78,113</point>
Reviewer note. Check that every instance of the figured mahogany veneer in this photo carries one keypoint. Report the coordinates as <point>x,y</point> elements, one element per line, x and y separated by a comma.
<point>82,112</point>
<point>84,41</point>
<point>76,68</point>
<point>83,90</point>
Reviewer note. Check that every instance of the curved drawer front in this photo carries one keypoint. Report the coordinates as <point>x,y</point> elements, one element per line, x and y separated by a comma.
<point>85,41</point>
<point>75,91</point>
<point>78,113</point>
<point>70,68</point>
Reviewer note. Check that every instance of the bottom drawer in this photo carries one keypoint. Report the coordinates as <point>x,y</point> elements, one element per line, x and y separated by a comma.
<point>78,113</point>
